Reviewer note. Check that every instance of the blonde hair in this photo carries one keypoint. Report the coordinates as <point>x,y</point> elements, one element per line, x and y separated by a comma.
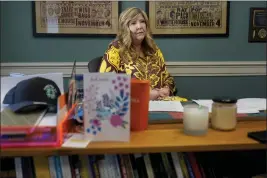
<point>124,34</point>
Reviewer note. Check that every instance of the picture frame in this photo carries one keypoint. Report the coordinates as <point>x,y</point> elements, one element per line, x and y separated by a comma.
<point>75,18</point>
<point>257,32</point>
<point>189,18</point>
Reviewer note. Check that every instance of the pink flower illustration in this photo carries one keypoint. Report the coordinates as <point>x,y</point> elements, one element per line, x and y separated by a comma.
<point>116,120</point>
<point>95,122</point>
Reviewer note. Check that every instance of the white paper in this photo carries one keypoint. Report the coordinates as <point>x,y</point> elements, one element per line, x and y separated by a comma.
<point>107,106</point>
<point>77,140</point>
<point>174,106</point>
<point>246,111</point>
<point>49,120</point>
<point>9,82</point>
<point>244,106</point>
<point>251,104</point>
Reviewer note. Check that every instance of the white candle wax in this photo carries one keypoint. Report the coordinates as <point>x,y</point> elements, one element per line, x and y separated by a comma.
<point>196,119</point>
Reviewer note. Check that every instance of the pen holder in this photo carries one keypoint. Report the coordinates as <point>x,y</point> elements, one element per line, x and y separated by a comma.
<point>139,104</point>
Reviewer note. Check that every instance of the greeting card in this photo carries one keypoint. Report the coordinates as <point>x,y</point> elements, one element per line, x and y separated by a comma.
<point>107,106</point>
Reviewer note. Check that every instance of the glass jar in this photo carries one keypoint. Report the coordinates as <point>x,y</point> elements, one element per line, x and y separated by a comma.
<point>195,119</point>
<point>223,116</point>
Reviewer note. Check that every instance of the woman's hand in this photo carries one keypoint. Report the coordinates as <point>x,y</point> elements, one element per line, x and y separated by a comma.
<point>154,94</point>
<point>164,92</point>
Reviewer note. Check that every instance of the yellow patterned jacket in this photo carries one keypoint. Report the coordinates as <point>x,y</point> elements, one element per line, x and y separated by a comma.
<point>152,69</point>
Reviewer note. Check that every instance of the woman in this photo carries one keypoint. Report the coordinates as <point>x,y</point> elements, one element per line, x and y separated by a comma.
<point>135,53</point>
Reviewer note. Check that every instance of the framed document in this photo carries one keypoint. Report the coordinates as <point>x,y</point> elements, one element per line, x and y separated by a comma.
<point>75,18</point>
<point>189,18</point>
<point>258,25</point>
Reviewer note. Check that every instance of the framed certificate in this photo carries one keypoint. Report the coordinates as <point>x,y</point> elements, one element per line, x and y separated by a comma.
<point>258,25</point>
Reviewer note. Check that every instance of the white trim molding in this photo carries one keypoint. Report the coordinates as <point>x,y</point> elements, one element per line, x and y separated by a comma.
<point>225,68</point>
<point>222,68</point>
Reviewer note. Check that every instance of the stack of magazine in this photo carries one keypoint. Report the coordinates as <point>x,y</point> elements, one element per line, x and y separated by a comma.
<point>16,126</point>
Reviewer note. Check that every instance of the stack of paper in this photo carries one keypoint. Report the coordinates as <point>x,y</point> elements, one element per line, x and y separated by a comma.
<point>251,105</point>
<point>171,106</point>
<point>245,105</point>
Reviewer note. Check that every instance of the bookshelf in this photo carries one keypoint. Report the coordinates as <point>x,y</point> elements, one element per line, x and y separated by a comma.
<point>161,138</point>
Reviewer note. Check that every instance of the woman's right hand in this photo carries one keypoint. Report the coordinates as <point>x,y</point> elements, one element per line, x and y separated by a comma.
<point>154,94</point>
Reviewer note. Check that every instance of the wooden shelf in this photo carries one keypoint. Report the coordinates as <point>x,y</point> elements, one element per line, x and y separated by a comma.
<point>162,138</point>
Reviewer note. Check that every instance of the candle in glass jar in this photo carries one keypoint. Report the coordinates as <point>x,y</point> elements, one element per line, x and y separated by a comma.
<point>196,119</point>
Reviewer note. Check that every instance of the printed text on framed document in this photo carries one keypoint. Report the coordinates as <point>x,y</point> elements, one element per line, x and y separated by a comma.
<point>75,18</point>
<point>189,18</point>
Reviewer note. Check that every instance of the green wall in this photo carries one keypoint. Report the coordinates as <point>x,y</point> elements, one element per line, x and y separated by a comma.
<point>19,45</point>
<point>210,87</point>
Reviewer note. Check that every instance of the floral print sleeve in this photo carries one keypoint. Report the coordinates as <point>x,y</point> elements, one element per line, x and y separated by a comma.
<point>111,60</point>
<point>166,79</point>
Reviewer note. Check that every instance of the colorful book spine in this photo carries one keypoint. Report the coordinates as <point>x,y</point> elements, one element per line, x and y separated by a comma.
<point>52,168</point>
<point>18,167</point>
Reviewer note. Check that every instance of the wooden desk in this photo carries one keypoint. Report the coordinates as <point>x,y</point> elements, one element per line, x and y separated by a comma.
<point>162,138</point>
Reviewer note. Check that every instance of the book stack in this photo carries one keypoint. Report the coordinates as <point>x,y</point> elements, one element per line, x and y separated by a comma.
<point>152,165</point>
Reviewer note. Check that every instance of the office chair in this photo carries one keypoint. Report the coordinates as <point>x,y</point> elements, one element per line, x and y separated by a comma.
<point>94,64</point>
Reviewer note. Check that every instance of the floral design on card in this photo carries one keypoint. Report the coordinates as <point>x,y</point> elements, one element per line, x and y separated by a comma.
<point>95,126</point>
<point>107,104</point>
